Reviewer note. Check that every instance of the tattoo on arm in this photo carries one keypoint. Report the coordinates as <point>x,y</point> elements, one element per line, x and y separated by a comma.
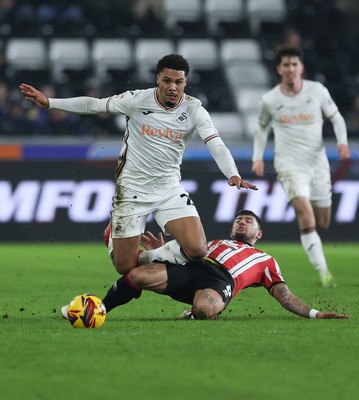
<point>291,302</point>
<point>211,300</point>
<point>150,270</point>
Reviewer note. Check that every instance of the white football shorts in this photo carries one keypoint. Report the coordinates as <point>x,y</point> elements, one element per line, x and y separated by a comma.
<point>314,183</point>
<point>131,209</point>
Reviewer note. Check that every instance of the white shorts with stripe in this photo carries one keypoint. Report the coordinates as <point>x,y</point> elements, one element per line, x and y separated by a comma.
<point>131,209</point>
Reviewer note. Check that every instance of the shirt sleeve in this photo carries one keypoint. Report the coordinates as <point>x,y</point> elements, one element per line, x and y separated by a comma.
<point>272,275</point>
<point>122,103</point>
<point>262,132</point>
<point>80,105</point>
<point>222,157</point>
<point>204,125</point>
<point>210,136</point>
<point>327,103</point>
<point>331,111</point>
<point>340,128</point>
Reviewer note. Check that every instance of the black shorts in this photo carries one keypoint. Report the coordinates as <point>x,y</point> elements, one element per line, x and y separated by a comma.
<point>185,280</point>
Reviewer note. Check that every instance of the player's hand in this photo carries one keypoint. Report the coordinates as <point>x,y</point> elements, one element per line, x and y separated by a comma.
<point>150,242</point>
<point>258,167</point>
<point>240,183</point>
<point>34,95</point>
<point>330,315</point>
<point>343,151</point>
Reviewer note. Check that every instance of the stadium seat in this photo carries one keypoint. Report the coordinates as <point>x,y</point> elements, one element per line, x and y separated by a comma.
<point>146,54</point>
<point>247,99</point>
<point>25,54</point>
<point>111,54</point>
<point>201,54</point>
<point>239,50</point>
<point>176,11</point>
<point>246,75</point>
<point>250,122</point>
<point>68,54</point>
<point>260,11</point>
<point>229,126</point>
<point>26,60</point>
<point>217,12</point>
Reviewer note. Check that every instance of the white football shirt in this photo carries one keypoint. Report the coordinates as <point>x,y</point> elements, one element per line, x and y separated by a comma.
<point>155,138</point>
<point>297,123</point>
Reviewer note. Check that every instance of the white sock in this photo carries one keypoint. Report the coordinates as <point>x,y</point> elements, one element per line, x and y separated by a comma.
<point>312,245</point>
<point>170,251</point>
<point>110,249</point>
<point>110,245</point>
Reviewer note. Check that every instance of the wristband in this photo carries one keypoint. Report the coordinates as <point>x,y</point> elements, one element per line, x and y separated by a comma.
<point>313,313</point>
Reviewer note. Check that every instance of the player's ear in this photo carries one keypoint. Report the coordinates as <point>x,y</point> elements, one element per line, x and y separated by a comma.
<point>259,234</point>
<point>303,69</point>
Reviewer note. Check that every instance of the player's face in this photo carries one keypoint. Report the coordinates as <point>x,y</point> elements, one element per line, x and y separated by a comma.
<point>291,70</point>
<point>171,84</point>
<point>246,229</point>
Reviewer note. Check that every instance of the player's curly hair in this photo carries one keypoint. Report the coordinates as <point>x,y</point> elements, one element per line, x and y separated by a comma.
<point>288,52</point>
<point>173,61</point>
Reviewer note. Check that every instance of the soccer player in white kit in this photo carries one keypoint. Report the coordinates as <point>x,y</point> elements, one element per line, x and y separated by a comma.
<point>160,122</point>
<point>294,109</point>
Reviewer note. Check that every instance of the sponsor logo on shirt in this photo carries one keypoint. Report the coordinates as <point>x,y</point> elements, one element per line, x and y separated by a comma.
<point>297,119</point>
<point>148,130</point>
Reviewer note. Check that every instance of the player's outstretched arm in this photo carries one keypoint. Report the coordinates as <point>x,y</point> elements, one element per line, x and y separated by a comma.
<point>295,305</point>
<point>34,95</point>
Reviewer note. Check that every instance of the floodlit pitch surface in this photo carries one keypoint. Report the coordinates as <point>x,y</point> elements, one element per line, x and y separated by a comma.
<point>256,350</point>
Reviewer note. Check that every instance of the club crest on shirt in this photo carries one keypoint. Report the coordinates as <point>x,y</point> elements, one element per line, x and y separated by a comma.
<point>182,118</point>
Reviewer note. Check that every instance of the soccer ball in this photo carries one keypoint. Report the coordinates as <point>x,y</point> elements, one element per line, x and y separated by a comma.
<point>86,311</point>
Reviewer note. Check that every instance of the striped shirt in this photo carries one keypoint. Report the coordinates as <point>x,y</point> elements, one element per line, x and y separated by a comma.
<point>247,265</point>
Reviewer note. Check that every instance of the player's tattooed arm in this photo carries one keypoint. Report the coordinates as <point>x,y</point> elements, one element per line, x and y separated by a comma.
<point>295,305</point>
<point>289,301</point>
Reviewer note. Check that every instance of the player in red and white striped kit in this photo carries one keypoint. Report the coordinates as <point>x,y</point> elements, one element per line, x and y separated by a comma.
<point>209,284</point>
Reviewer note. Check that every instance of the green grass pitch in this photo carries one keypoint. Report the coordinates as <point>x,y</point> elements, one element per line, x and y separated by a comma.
<point>256,350</point>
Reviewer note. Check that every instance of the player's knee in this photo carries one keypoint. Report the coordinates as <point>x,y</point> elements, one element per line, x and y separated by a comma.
<point>123,267</point>
<point>134,276</point>
<point>124,264</point>
<point>207,304</point>
<point>197,252</point>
